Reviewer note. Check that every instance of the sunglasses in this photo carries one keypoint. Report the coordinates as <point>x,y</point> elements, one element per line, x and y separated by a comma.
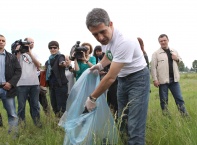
<point>53,47</point>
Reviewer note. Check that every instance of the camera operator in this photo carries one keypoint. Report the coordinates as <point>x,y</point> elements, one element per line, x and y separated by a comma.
<point>85,62</point>
<point>28,85</point>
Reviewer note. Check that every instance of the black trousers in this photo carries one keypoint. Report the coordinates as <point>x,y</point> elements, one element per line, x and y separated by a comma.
<point>1,120</point>
<point>112,97</point>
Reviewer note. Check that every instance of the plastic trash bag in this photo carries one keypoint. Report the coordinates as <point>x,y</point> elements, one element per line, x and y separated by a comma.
<point>91,128</point>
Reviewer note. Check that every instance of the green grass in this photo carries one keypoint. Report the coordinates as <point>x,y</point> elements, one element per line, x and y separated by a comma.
<point>173,130</point>
<point>161,130</point>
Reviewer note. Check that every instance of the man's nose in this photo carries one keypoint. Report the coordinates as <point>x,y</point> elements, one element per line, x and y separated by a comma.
<point>100,37</point>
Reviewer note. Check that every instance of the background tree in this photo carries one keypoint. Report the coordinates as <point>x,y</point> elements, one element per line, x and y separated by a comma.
<point>194,65</point>
<point>181,66</point>
<point>186,69</point>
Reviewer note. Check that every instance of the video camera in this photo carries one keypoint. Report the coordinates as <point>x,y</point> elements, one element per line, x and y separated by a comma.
<point>23,48</point>
<point>78,51</point>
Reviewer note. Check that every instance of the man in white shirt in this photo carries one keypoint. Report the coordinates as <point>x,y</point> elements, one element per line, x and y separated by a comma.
<point>28,85</point>
<point>128,63</point>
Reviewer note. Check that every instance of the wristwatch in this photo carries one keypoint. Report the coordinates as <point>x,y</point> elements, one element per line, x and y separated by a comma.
<point>92,98</point>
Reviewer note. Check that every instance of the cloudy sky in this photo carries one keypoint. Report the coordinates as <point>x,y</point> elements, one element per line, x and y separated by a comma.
<point>64,21</point>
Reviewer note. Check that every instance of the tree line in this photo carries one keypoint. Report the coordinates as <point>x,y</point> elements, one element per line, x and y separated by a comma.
<point>183,68</point>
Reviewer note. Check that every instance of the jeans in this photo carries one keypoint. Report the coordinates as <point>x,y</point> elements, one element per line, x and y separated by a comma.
<point>43,101</point>
<point>33,93</point>
<point>59,96</point>
<point>9,105</point>
<point>176,92</point>
<point>133,96</point>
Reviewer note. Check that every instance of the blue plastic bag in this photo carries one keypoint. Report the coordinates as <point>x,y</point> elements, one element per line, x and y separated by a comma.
<point>90,128</point>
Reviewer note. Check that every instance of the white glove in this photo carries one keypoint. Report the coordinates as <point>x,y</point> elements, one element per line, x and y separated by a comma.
<point>96,68</point>
<point>90,105</point>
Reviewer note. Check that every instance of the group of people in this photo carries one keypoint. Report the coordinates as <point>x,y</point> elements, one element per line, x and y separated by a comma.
<point>20,77</point>
<point>27,73</point>
<point>123,66</point>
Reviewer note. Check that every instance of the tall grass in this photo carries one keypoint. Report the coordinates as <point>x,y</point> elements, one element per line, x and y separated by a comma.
<point>174,129</point>
<point>161,130</point>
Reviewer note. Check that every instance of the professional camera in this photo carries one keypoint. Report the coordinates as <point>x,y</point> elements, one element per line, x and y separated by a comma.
<point>78,51</point>
<point>23,48</point>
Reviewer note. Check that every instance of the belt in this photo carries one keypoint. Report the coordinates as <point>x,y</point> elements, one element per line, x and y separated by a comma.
<point>1,86</point>
<point>133,73</point>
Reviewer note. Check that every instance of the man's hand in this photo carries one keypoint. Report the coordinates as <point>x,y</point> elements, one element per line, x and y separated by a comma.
<point>102,73</point>
<point>17,47</point>
<point>174,57</point>
<point>7,86</point>
<point>96,68</point>
<point>89,104</point>
<point>156,84</point>
<point>29,52</point>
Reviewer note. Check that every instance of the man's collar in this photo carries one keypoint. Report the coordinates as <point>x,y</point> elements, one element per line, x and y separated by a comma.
<point>3,53</point>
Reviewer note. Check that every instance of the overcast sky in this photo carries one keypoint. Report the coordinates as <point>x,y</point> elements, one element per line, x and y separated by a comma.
<point>64,21</point>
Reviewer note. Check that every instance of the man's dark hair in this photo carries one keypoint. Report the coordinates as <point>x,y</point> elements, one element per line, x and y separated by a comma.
<point>163,35</point>
<point>96,17</point>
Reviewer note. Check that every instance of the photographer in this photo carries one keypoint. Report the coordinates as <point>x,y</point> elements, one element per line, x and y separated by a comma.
<point>28,85</point>
<point>87,61</point>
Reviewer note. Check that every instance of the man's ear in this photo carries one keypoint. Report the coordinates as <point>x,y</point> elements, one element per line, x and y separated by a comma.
<point>110,23</point>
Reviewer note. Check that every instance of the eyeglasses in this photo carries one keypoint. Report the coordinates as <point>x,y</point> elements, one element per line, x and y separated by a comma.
<point>53,47</point>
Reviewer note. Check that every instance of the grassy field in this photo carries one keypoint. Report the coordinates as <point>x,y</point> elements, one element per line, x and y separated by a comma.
<point>161,130</point>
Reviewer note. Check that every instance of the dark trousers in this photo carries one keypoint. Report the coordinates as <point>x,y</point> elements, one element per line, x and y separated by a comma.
<point>1,120</point>
<point>43,101</point>
<point>112,97</point>
<point>58,96</point>
<point>175,89</point>
<point>32,92</point>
